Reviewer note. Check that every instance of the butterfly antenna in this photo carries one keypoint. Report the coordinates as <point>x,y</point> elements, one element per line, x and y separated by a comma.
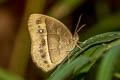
<point>80,28</point>
<point>78,24</point>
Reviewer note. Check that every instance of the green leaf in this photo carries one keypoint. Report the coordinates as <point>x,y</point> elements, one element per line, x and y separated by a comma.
<point>7,76</point>
<point>95,40</point>
<point>67,69</point>
<point>108,62</point>
<point>94,53</point>
<point>117,75</point>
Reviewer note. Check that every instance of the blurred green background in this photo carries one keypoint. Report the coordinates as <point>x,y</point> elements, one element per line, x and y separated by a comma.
<point>15,62</point>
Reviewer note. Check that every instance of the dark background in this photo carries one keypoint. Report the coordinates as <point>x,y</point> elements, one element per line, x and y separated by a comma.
<point>99,16</point>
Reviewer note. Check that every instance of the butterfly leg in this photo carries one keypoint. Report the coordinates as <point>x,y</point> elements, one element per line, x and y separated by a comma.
<point>79,42</point>
<point>79,47</point>
<point>68,56</point>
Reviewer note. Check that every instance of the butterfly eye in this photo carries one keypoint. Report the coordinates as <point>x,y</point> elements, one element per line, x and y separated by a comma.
<point>74,39</point>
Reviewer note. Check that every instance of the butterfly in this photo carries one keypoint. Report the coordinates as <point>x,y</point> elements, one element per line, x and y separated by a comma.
<point>51,40</point>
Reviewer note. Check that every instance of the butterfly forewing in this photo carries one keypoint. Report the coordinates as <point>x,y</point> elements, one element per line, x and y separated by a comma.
<point>51,41</point>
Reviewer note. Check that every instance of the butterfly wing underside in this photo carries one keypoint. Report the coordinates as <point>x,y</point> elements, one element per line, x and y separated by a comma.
<point>51,41</point>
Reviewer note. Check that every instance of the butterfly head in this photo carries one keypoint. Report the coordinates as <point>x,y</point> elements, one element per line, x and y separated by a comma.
<point>75,37</point>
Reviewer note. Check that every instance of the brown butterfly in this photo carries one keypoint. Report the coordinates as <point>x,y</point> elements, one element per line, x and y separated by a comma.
<point>51,40</point>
